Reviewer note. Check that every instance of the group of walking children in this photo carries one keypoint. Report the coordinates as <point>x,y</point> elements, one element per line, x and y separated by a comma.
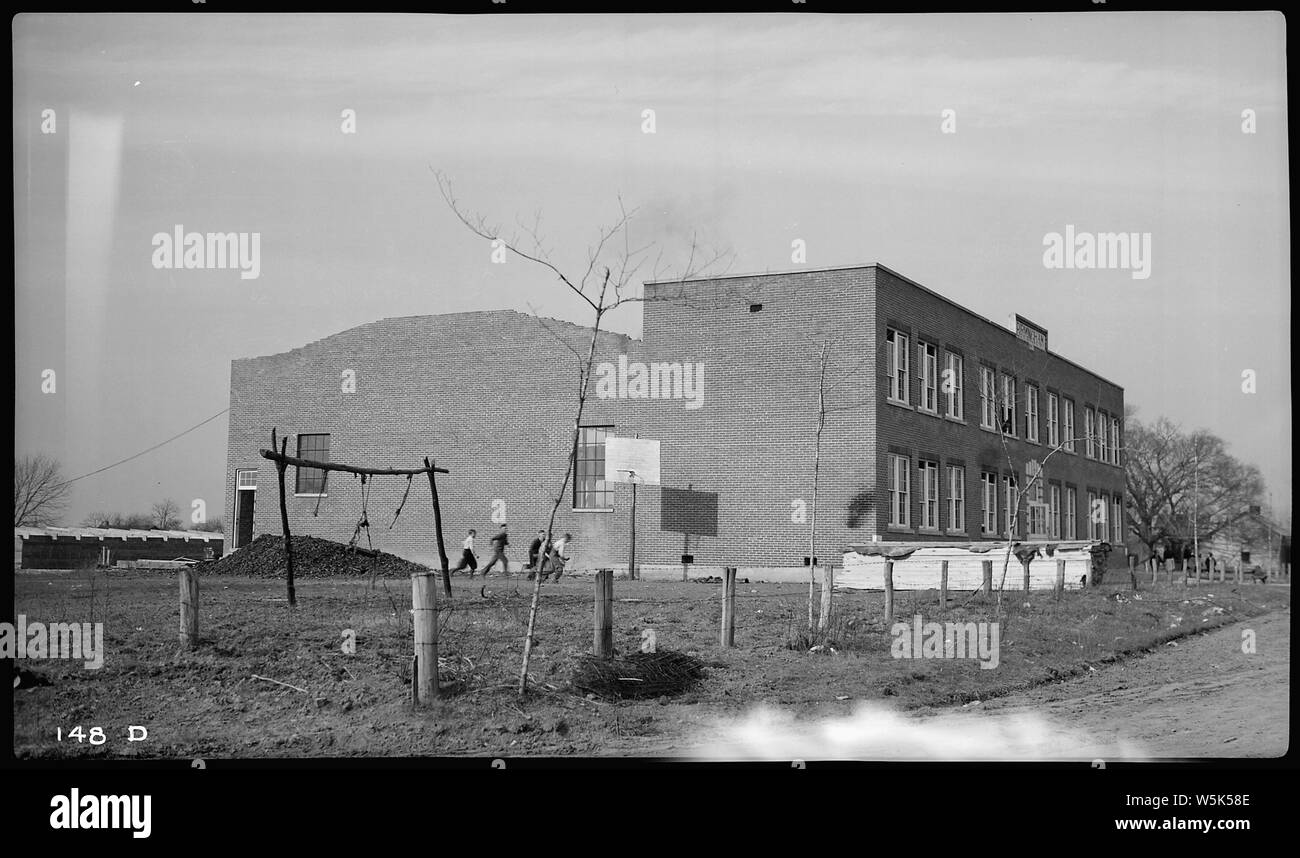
<point>547,559</point>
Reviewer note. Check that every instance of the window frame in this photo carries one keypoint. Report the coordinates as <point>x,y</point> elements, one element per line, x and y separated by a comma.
<point>956,498</point>
<point>1069,444</point>
<point>896,346</point>
<point>1071,507</point>
<point>1031,413</point>
<point>954,408</point>
<point>1007,409</point>
<point>900,465</point>
<point>307,475</point>
<point>928,470</point>
<point>928,372</point>
<point>596,493</point>
<point>1053,419</point>
<point>988,398</point>
<point>988,510</point>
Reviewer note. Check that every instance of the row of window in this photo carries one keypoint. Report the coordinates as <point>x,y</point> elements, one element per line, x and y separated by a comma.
<point>1049,509</point>
<point>1101,432</point>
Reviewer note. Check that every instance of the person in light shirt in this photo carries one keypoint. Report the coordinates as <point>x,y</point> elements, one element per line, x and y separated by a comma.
<point>467,558</point>
<point>556,559</point>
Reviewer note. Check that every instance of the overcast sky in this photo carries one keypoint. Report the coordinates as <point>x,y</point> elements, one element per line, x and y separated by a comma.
<point>767,129</point>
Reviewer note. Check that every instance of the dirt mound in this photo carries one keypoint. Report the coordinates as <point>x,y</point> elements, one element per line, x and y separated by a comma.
<point>312,558</point>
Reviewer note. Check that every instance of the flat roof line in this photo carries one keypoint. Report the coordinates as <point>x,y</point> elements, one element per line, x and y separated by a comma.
<point>905,279</point>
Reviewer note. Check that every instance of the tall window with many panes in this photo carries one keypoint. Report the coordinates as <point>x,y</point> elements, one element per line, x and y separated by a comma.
<point>896,356</point>
<point>590,489</point>
<point>900,484</point>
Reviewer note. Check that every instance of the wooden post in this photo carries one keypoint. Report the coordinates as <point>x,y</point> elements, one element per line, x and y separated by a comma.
<point>828,584</point>
<point>603,615</point>
<point>437,530</point>
<point>189,579</point>
<point>281,467</point>
<point>1132,570</point>
<point>729,607</point>
<point>1060,577</point>
<point>631,541</point>
<point>1169,567</point>
<point>988,579</point>
<point>943,585</point>
<point>1238,570</point>
<point>425,622</point>
<point>1025,561</point>
<point>1223,570</point>
<point>889,591</point>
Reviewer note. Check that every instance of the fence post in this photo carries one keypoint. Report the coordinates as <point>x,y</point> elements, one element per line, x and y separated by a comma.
<point>1238,570</point>
<point>988,579</point>
<point>889,591</point>
<point>1024,562</point>
<point>1060,577</point>
<point>603,644</point>
<point>828,584</point>
<point>943,585</point>
<point>425,623</point>
<point>1132,570</point>
<point>729,607</point>
<point>1223,570</point>
<point>189,579</point>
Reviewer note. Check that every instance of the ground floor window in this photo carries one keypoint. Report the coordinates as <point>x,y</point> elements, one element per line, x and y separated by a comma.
<point>590,489</point>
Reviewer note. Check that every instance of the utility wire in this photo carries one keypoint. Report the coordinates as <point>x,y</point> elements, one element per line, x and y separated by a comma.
<point>142,452</point>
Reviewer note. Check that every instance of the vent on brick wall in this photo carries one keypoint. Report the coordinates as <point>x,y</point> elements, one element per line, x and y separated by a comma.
<point>754,308</point>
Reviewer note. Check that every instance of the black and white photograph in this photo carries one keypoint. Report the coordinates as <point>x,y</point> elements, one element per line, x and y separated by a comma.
<point>625,388</point>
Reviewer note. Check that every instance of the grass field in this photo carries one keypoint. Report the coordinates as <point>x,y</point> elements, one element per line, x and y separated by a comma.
<point>206,703</point>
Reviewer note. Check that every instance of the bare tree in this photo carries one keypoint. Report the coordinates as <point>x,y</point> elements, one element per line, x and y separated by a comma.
<point>166,515</point>
<point>1183,484</point>
<point>607,282</point>
<point>40,492</point>
<point>212,525</point>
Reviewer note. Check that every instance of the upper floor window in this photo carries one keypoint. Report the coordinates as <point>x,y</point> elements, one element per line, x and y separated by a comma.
<point>952,385</point>
<point>929,354</point>
<point>988,397</point>
<point>1069,427</point>
<point>1053,420</point>
<point>1031,413</point>
<point>896,360</point>
<point>1089,430</point>
<point>1103,453</point>
<point>1114,441</point>
<point>1008,405</point>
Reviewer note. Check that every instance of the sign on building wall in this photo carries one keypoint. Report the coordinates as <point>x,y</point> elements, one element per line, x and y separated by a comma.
<point>688,511</point>
<point>1035,336</point>
<point>626,457</point>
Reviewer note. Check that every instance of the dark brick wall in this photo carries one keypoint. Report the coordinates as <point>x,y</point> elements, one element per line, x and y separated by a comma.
<point>928,317</point>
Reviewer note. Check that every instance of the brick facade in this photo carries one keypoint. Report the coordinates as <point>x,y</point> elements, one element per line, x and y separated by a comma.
<point>490,396</point>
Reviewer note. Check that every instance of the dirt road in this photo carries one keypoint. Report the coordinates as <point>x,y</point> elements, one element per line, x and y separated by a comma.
<point>1201,696</point>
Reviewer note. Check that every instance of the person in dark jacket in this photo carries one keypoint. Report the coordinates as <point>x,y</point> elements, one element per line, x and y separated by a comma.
<point>535,552</point>
<point>499,543</point>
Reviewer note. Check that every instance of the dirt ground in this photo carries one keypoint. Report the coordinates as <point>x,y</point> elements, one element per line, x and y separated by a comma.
<point>218,701</point>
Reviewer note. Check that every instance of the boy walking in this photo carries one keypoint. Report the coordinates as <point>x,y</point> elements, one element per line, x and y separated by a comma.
<point>467,559</point>
<point>499,543</point>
